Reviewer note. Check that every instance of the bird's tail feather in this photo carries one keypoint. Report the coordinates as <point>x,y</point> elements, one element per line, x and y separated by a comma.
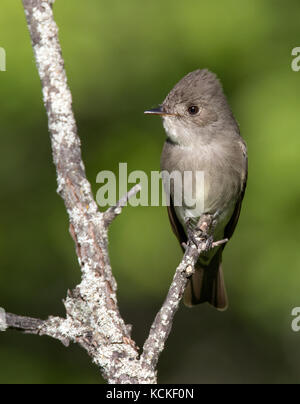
<point>207,285</point>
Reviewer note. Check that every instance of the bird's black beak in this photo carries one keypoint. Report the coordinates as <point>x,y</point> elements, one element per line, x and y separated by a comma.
<point>157,111</point>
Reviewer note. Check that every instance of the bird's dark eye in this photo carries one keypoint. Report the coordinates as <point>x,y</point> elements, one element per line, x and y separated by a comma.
<point>193,110</point>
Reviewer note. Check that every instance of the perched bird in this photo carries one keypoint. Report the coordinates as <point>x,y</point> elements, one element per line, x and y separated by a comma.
<point>203,136</point>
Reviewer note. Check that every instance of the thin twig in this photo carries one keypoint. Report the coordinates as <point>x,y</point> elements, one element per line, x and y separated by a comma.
<point>27,324</point>
<point>114,211</point>
<point>220,242</point>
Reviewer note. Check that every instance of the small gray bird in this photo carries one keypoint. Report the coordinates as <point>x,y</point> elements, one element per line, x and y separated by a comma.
<point>203,136</point>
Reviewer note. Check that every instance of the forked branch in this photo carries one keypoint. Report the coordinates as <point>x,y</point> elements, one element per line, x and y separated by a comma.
<point>92,318</point>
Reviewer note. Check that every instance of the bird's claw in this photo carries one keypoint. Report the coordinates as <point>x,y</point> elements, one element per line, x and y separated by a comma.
<point>209,243</point>
<point>198,234</point>
<point>194,234</point>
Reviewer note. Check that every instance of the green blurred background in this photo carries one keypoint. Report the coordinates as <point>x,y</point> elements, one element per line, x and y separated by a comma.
<point>123,57</point>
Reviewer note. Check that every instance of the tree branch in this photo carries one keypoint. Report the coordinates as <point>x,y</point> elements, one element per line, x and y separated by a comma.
<point>27,324</point>
<point>92,318</point>
<point>162,324</point>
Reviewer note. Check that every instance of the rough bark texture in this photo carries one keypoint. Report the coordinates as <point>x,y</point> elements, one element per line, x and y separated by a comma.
<point>92,318</point>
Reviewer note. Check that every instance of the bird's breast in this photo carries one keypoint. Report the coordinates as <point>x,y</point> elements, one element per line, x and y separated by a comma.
<point>210,178</point>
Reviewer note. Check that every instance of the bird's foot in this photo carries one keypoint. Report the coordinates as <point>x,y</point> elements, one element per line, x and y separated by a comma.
<point>209,243</point>
<point>198,233</point>
<point>203,232</point>
<point>193,232</point>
